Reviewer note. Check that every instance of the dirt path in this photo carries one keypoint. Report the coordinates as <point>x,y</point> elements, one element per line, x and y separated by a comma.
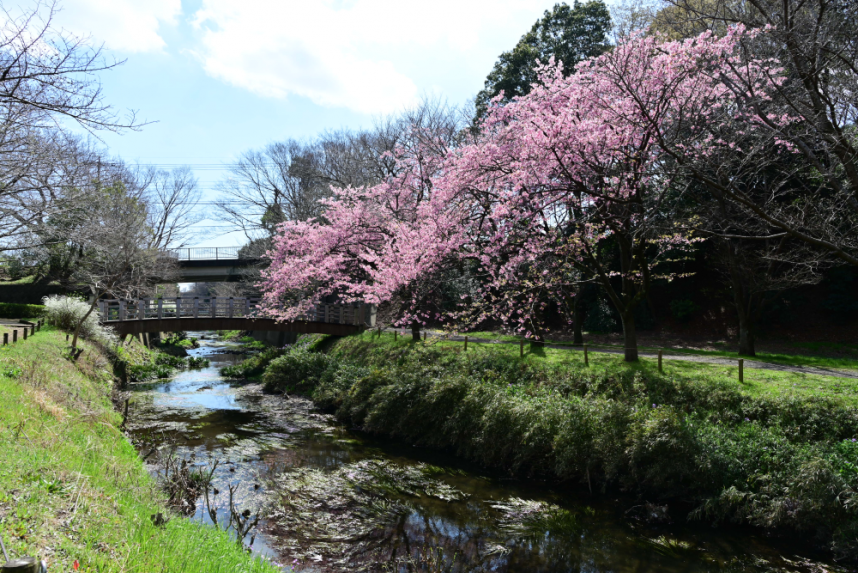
<point>10,325</point>
<point>753,364</point>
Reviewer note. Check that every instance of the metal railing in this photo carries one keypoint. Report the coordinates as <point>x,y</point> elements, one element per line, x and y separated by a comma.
<point>225,307</point>
<point>205,253</point>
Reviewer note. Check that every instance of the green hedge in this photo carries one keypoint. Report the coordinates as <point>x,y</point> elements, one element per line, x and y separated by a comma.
<point>15,310</point>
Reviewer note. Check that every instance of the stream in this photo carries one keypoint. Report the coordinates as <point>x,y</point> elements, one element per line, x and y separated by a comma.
<point>333,499</point>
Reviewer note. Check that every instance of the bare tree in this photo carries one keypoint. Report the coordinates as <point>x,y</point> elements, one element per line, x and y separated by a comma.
<point>286,180</point>
<point>48,78</point>
<point>815,199</point>
<point>121,255</point>
<point>270,186</point>
<point>172,198</point>
<point>630,16</point>
<point>49,74</point>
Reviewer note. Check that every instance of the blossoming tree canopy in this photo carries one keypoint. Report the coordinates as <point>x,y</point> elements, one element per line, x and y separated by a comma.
<point>577,163</point>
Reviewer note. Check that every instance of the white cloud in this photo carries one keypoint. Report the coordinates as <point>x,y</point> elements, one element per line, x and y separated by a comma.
<point>123,25</point>
<point>367,55</point>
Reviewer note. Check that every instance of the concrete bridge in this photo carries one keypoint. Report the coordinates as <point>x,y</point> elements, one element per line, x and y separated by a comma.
<point>148,315</point>
<point>211,264</point>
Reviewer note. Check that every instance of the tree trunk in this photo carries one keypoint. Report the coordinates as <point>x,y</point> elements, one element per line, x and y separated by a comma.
<point>80,324</point>
<point>630,336</point>
<point>746,335</point>
<point>415,331</point>
<point>577,321</point>
<point>744,303</point>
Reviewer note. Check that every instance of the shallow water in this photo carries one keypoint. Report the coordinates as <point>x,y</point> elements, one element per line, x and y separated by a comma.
<point>335,500</point>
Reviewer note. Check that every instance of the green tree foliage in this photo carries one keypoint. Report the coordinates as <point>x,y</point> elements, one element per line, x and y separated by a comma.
<point>569,34</point>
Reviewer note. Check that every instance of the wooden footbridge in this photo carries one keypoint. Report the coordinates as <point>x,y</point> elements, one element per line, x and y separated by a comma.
<point>221,313</point>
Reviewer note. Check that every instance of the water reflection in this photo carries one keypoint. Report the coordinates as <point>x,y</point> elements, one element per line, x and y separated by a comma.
<point>337,501</point>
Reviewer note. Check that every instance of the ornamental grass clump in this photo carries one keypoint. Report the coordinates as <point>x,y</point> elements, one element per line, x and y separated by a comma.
<point>65,313</point>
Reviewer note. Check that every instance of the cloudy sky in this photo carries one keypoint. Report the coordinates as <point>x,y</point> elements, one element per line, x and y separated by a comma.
<point>219,77</point>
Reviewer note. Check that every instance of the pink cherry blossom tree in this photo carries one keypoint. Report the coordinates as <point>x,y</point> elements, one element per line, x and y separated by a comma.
<point>581,166</point>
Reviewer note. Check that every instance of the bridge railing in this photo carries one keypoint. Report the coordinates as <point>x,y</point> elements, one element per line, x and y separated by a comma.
<point>225,307</point>
<point>204,253</point>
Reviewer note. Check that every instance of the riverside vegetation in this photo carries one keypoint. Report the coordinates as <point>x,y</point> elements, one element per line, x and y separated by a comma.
<point>778,452</point>
<point>72,488</point>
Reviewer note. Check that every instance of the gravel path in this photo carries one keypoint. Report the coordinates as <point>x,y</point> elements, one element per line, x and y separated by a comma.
<point>753,364</point>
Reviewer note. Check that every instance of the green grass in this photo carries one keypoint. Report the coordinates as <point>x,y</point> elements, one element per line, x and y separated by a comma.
<point>73,488</point>
<point>814,360</point>
<point>229,335</point>
<point>29,279</point>
<point>756,381</point>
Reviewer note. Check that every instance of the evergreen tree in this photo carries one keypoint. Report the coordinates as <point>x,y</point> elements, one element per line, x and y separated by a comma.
<point>569,34</point>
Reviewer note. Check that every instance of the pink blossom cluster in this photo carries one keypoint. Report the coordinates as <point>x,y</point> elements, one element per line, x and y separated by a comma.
<point>550,175</point>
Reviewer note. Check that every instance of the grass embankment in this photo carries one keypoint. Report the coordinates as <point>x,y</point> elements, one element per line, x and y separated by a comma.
<point>73,488</point>
<point>779,451</point>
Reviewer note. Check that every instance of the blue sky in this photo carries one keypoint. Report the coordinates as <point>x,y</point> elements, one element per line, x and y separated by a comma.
<point>219,77</point>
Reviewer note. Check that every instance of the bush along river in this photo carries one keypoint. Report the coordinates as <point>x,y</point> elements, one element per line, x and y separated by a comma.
<point>328,498</point>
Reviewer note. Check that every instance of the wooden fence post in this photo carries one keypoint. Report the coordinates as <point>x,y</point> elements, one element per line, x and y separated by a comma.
<point>25,333</point>
<point>395,335</point>
<point>32,329</point>
<point>586,357</point>
<point>741,370</point>
<point>659,361</point>
<point>5,338</point>
<point>15,336</point>
<point>466,343</point>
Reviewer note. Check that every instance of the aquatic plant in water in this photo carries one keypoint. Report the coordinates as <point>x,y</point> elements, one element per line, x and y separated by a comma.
<point>348,515</point>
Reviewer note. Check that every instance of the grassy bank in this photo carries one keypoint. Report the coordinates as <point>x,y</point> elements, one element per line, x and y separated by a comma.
<point>71,485</point>
<point>779,451</point>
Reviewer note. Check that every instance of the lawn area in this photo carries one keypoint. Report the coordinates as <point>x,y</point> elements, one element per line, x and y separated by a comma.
<point>71,485</point>
<point>756,381</point>
<point>814,358</point>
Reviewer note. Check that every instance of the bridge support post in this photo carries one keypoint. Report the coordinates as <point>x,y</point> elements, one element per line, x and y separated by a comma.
<point>160,308</point>
<point>214,305</point>
<point>196,307</point>
<point>141,308</point>
<point>229,308</point>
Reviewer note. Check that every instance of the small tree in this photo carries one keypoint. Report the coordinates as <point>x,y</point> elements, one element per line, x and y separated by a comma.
<point>121,256</point>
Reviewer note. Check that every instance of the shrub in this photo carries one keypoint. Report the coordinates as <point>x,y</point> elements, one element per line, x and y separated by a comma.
<point>14,310</point>
<point>253,366</point>
<point>66,312</point>
<point>198,362</point>
<point>683,309</point>
<point>297,370</point>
